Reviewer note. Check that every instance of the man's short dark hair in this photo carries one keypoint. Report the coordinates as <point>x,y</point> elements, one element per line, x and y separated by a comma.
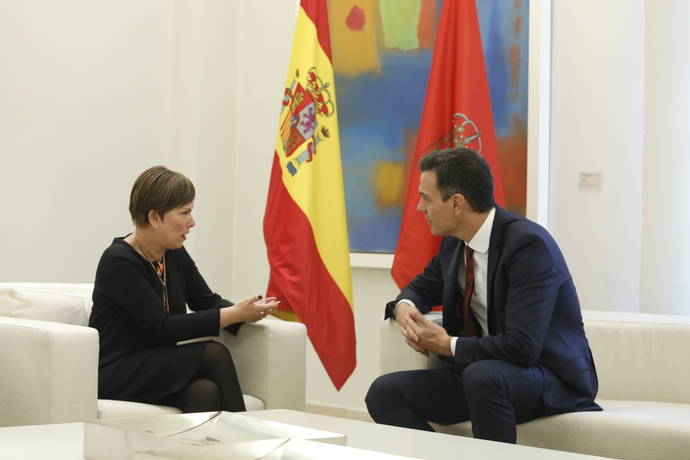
<point>463,171</point>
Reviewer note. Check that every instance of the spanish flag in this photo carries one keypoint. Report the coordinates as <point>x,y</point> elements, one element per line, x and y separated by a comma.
<point>305,226</point>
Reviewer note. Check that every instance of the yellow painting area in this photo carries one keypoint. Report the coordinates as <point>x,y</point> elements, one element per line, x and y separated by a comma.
<point>388,179</point>
<point>354,25</point>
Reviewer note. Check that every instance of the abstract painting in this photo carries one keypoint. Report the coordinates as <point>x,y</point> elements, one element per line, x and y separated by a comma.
<point>382,52</point>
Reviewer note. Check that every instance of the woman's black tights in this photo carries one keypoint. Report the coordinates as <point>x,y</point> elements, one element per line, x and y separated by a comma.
<point>214,386</point>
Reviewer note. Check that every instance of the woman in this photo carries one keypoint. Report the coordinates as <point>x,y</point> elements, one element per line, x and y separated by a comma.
<point>144,282</point>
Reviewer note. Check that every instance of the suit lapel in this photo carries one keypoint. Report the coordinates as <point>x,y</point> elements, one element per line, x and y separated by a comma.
<point>452,290</point>
<point>455,262</point>
<point>495,242</point>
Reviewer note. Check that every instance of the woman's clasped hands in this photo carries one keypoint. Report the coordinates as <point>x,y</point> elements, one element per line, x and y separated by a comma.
<point>255,308</point>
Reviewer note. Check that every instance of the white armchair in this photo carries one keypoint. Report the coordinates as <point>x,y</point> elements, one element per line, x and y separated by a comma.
<point>644,377</point>
<point>49,359</point>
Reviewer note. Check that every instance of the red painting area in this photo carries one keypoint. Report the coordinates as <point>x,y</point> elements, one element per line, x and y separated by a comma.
<point>428,22</point>
<point>513,157</point>
<point>355,19</point>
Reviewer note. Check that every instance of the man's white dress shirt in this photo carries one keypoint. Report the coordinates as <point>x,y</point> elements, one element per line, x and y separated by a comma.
<point>480,245</point>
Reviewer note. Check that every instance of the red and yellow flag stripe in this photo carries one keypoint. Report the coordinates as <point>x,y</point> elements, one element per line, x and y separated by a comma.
<point>305,225</point>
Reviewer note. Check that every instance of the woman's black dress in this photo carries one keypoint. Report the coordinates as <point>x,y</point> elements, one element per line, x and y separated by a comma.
<point>139,359</point>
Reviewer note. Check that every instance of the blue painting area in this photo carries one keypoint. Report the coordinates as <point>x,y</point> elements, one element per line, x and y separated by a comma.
<point>375,114</point>
<point>391,102</point>
<point>384,239</point>
<point>497,23</point>
<point>370,228</point>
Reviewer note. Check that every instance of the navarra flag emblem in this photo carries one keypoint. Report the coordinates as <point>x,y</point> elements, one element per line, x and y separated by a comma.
<point>305,227</point>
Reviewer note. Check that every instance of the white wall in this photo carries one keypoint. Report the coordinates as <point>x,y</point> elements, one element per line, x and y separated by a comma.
<point>204,128</point>
<point>84,87</point>
<point>262,69</point>
<point>666,242</point>
<point>597,125</point>
<point>94,91</point>
<point>619,99</point>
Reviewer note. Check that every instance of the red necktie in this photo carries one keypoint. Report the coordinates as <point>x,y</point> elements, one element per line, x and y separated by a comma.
<point>467,315</point>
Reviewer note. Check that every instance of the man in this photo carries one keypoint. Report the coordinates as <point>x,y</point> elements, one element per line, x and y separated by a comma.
<point>516,350</point>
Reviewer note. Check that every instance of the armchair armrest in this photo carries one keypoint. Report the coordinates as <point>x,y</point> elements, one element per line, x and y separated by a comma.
<point>396,355</point>
<point>49,372</point>
<point>270,357</point>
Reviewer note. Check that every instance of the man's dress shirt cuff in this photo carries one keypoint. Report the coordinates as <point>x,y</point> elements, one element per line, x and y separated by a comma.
<point>407,301</point>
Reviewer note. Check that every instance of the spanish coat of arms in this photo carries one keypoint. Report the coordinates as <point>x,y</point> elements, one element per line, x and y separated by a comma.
<point>300,130</point>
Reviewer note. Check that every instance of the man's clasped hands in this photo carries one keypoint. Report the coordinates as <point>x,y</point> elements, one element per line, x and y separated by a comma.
<point>420,334</point>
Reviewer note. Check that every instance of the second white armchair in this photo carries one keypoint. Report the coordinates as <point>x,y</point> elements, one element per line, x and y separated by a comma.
<point>49,359</point>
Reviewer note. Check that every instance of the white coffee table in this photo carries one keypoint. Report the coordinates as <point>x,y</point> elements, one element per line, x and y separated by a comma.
<point>414,443</point>
<point>65,441</point>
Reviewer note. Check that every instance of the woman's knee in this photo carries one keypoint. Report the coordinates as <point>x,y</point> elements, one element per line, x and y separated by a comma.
<point>216,350</point>
<point>216,356</point>
<point>206,386</point>
<point>202,395</point>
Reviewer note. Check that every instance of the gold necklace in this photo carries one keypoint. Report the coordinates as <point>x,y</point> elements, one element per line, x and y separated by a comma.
<point>158,268</point>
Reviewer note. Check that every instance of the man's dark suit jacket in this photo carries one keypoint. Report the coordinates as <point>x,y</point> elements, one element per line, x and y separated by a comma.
<point>534,316</point>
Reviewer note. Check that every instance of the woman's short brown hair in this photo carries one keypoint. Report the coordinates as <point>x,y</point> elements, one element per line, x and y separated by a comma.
<point>158,189</point>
